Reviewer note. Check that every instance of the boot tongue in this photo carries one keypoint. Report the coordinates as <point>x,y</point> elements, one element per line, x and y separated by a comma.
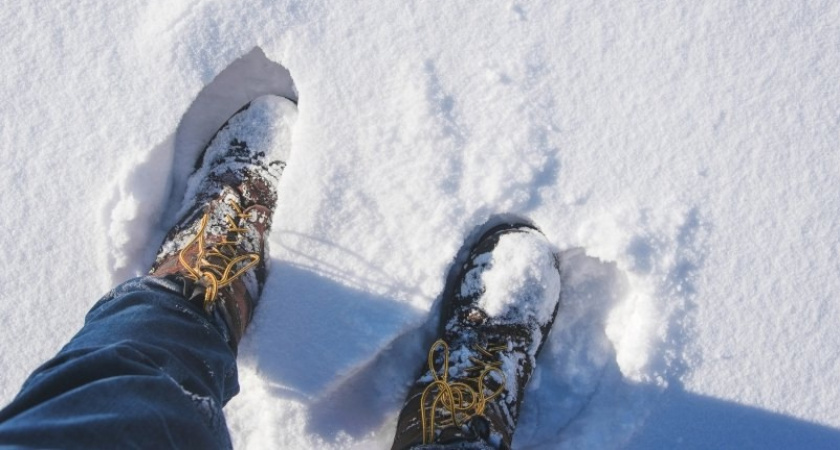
<point>475,429</point>
<point>194,291</point>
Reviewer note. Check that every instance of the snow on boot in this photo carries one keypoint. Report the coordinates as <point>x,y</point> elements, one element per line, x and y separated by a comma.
<point>217,250</point>
<point>493,325</point>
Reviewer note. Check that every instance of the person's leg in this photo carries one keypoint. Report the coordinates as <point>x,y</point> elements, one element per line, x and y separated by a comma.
<point>495,317</point>
<point>148,369</point>
<point>155,361</point>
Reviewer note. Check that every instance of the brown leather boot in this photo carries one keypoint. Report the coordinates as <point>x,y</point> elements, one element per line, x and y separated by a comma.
<point>218,249</point>
<point>494,321</point>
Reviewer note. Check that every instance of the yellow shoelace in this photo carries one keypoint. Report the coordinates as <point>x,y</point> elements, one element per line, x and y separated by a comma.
<point>216,276</point>
<point>461,400</point>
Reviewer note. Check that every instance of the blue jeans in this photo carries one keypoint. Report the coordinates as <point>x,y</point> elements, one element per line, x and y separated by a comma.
<point>147,370</point>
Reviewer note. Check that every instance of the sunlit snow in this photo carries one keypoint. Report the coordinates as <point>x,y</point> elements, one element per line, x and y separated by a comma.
<point>682,156</point>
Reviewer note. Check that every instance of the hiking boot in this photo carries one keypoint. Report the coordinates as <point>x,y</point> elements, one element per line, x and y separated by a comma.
<point>495,318</point>
<point>218,249</point>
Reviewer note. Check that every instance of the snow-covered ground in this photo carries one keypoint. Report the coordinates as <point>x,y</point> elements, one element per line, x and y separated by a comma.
<point>685,156</point>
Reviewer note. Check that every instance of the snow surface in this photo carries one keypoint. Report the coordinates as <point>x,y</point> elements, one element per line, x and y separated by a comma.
<point>683,155</point>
